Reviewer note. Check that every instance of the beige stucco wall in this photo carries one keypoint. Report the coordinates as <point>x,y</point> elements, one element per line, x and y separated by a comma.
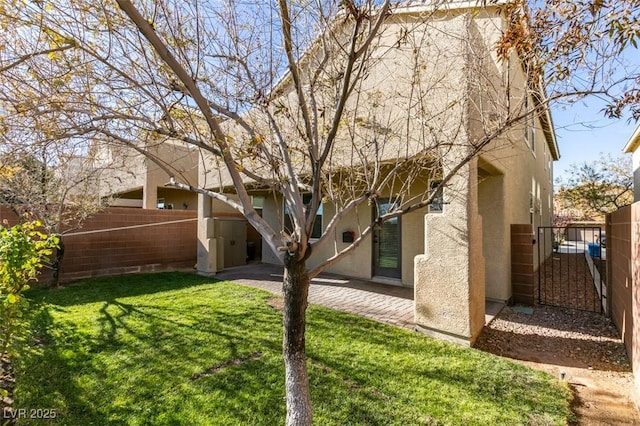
<point>183,164</point>
<point>512,169</point>
<point>417,95</point>
<point>449,285</point>
<point>633,147</point>
<point>130,175</point>
<point>517,174</point>
<point>123,170</point>
<point>401,103</point>
<point>358,264</point>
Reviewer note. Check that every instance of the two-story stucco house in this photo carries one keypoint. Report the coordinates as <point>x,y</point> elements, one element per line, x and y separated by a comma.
<point>454,253</point>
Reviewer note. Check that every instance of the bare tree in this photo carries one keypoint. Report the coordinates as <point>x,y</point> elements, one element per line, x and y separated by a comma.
<point>343,103</point>
<point>595,188</point>
<point>580,48</point>
<point>50,183</point>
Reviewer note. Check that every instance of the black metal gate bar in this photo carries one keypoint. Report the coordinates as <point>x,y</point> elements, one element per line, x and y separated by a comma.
<point>570,267</point>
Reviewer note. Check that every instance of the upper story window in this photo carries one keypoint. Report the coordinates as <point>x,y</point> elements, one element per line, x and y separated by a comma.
<point>436,205</point>
<point>316,232</point>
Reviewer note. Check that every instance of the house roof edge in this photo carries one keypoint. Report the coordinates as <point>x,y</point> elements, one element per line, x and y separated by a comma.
<point>633,143</point>
<point>431,5</point>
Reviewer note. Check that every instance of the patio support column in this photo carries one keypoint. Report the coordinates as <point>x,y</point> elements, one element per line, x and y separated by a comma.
<point>207,243</point>
<point>449,276</point>
<point>149,194</point>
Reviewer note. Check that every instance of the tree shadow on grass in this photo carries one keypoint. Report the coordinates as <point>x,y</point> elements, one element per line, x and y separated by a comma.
<point>134,358</point>
<point>110,288</point>
<point>41,369</point>
<point>425,379</point>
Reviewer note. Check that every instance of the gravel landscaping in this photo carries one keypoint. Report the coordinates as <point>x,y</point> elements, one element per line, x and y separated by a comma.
<point>580,347</point>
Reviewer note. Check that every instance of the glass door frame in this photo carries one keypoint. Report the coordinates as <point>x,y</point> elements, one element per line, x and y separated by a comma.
<point>377,269</point>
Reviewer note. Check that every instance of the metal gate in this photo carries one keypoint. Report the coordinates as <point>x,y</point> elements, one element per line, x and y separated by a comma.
<point>572,267</point>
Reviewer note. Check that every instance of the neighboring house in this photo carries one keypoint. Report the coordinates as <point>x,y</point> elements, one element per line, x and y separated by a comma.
<point>458,253</point>
<point>133,180</point>
<point>632,147</point>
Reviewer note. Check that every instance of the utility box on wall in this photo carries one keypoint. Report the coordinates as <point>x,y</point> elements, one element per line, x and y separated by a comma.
<point>348,236</point>
<point>233,233</point>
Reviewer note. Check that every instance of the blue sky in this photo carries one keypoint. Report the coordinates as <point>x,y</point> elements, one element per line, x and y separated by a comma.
<point>584,133</point>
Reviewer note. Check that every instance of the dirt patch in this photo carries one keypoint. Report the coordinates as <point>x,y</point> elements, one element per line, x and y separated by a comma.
<point>564,279</point>
<point>276,303</point>
<point>218,368</point>
<point>579,347</point>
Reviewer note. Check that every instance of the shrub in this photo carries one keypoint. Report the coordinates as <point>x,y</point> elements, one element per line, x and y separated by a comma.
<point>23,248</point>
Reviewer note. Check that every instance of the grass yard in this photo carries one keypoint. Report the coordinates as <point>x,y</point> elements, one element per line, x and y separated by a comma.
<point>175,348</point>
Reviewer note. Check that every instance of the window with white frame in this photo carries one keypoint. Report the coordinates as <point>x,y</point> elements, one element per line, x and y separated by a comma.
<point>531,207</point>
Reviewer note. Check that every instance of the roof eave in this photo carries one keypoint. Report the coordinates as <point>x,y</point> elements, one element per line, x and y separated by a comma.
<point>633,143</point>
<point>546,120</point>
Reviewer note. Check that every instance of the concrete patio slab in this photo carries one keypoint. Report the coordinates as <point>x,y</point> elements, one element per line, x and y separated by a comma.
<point>381,302</point>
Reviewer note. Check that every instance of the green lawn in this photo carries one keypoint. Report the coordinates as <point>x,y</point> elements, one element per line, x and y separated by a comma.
<point>173,348</point>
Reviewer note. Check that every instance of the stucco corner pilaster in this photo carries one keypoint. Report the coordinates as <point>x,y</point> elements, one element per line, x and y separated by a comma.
<point>449,276</point>
<point>208,250</point>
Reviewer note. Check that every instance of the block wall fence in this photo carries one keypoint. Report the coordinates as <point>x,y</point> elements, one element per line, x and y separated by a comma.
<point>126,240</point>
<point>522,269</point>
<point>623,278</point>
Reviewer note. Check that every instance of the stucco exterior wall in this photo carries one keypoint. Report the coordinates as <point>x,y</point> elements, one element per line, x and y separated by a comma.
<point>358,264</point>
<point>183,163</point>
<point>449,287</point>
<point>130,176</point>
<point>272,214</point>
<point>515,184</point>
<point>633,147</point>
<point>123,170</point>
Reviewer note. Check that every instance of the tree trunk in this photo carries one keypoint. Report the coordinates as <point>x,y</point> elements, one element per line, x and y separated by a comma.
<point>296,291</point>
<point>57,264</point>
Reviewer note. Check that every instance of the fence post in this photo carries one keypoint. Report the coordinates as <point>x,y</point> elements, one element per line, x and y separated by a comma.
<point>522,276</point>
<point>609,266</point>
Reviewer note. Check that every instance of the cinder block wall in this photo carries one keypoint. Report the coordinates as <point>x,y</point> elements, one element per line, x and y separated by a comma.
<point>125,242</point>
<point>635,294</point>
<point>7,214</point>
<point>623,275</point>
<point>619,278</point>
<point>522,258</point>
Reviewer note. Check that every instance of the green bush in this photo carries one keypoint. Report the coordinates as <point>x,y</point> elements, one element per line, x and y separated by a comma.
<point>23,248</point>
